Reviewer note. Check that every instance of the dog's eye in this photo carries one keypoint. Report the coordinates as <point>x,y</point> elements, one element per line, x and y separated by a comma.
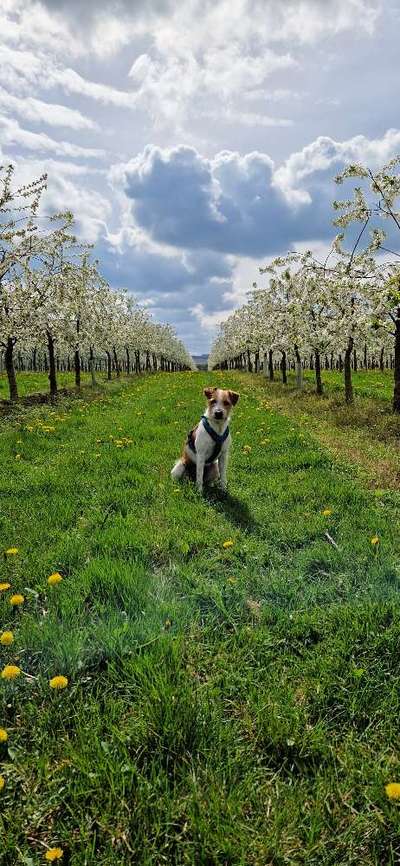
<point>213,402</point>
<point>226,403</point>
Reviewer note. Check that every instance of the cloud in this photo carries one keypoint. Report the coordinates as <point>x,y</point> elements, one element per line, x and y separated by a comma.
<point>37,111</point>
<point>13,133</point>
<point>229,204</point>
<point>198,52</point>
<point>241,205</point>
<point>69,186</point>
<point>324,156</point>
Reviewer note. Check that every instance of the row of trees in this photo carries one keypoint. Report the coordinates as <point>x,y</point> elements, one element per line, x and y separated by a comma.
<point>347,306</point>
<point>55,304</point>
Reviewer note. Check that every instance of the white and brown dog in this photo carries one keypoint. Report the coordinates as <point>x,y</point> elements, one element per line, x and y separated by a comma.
<point>206,451</point>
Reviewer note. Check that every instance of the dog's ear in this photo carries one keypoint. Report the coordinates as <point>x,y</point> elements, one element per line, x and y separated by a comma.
<point>234,397</point>
<point>208,392</point>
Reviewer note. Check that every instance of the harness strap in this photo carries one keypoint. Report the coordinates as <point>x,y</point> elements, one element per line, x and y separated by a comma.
<point>216,437</point>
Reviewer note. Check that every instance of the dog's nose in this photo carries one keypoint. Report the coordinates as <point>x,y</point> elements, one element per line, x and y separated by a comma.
<point>219,415</point>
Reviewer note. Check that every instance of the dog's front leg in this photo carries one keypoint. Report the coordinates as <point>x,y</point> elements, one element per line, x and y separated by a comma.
<point>223,467</point>
<point>200,472</point>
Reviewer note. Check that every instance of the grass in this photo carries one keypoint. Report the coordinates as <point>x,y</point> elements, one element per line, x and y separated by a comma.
<point>367,383</point>
<point>232,706</point>
<point>365,435</point>
<point>38,383</point>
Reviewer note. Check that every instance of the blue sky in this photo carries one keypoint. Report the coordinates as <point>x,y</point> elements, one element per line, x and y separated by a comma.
<point>193,141</point>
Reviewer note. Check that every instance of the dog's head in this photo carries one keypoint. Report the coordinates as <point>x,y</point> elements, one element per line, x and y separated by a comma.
<point>220,402</point>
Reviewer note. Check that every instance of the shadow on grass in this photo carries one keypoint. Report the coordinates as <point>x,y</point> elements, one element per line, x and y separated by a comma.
<point>234,509</point>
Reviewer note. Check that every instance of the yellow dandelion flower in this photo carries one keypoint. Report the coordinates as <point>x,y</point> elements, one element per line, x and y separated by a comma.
<point>10,672</point>
<point>6,638</point>
<point>375,540</point>
<point>4,586</point>
<point>58,682</point>
<point>18,457</point>
<point>17,599</point>
<point>11,551</point>
<point>247,448</point>
<point>2,782</point>
<point>54,854</point>
<point>326,512</point>
<point>228,543</point>
<point>393,790</point>
<point>54,579</point>
<point>3,735</point>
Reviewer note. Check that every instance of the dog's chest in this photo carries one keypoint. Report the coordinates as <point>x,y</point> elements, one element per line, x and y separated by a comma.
<point>206,447</point>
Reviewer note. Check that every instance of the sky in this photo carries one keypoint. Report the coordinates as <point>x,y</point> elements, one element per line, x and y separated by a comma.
<point>195,141</point>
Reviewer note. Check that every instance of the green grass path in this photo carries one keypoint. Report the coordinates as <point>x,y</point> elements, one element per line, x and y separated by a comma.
<point>234,706</point>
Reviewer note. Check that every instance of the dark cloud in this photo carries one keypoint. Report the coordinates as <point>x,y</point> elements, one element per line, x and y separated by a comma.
<point>228,205</point>
<point>85,12</point>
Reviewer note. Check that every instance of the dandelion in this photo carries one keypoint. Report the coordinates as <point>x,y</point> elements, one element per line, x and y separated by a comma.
<point>54,579</point>
<point>18,457</point>
<point>2,782</point>
<point>4,586</point>
<point>3,735</point>
<point>11,551</point>
<point>6,638</point>
<point>228,543</point>
<point>10,672</point>
<point>58,682</point>
<point>326,512</point>
<point>17,599</point>
<point>54,854</point>
<point>375,540</point>
<point>247,449</point>
<point>393,790</point>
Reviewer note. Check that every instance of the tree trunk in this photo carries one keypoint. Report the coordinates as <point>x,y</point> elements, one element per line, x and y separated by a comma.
<point>318,377</point>
<point>52,367</point>
<point>34,361</point>
<point>299,369</point>
<point>77,365</point>
<point>10,369</point>
<point>348,385</point>
<point>92,367</point>
<point>284,368</point>
<point>271,365</point>
<point>128,361</point>
<point>396,392</point>
<point>108,366</point>
<point>381,360</point>
<point>116,362</point>
<point>355,361</point>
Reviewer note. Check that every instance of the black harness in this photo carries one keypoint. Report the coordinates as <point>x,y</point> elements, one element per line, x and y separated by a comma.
<point>216,437</point>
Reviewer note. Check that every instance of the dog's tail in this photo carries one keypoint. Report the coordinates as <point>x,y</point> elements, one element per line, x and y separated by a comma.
<point>179,470</point>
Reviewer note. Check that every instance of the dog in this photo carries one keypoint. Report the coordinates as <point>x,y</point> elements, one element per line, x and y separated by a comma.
<point>206,451</point>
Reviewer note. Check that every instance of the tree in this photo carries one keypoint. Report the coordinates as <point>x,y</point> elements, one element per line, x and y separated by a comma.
<point>374,205</point>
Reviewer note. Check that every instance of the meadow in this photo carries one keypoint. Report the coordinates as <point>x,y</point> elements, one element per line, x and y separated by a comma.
<point>232,662</point>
